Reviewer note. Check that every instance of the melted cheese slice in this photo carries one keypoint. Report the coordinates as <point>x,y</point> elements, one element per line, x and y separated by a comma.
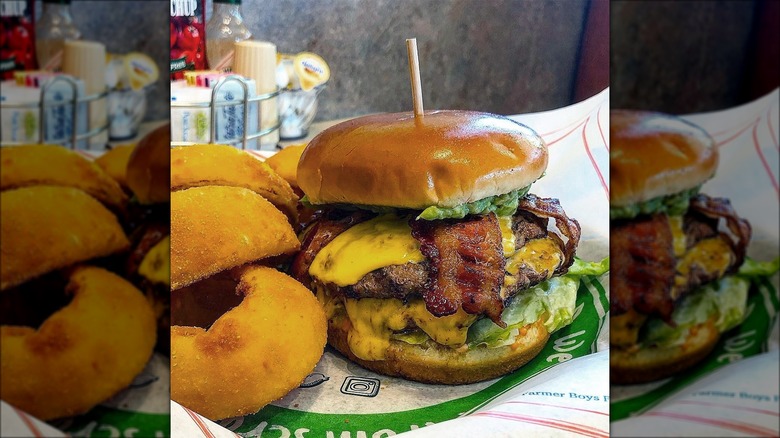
<point>382,241</point>
<point>541,255</point>
<point>156,265</point>
<point>375,319</point>
<point>507,236</point>
<point>711,255</point>
<point>678,235</point>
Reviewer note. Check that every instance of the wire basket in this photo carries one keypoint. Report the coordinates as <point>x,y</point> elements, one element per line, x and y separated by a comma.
<point>214,104</point>
<point>43,105</point>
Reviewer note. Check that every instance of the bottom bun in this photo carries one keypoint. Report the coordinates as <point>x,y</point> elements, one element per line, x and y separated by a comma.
<point>650,364</point>
<point>434,363</point>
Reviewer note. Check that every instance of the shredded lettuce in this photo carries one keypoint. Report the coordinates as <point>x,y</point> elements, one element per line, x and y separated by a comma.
<point>555,298</point>
<point>725,299</point>
<point>674,205</point>
<point>581,267</point>
<point>751,268</point>
<point>502,205</point>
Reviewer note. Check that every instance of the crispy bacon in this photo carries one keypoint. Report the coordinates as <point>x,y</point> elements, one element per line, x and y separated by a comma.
<point>643,266</point>
<point>467,265</point>
<point>321,233</point>
<point>567,227</point>
<point>720,208</point>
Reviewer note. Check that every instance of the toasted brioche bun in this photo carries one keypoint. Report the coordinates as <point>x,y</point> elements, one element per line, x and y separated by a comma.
<point>214,228</point>
<point>81,355</point>
<point>434,363</point>
<point>47,227</point>
<point>49,165</point>
<point>253,354</point>
<point>445,159</point>
<point>285,163</point>
<point>148,169</point>
<point>650,364</point>
<point>221,165</point>
<point>655,154</point>
<point>114,162</point>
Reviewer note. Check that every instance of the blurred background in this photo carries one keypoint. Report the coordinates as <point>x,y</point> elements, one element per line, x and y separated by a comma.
<point>129,26</point>
<point>692,56</point>
<point>502,56</point>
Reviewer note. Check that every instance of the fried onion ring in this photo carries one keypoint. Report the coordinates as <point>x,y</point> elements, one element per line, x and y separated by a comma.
<point>45,228</point>
<point>49,165</point>
<point>221,165</point>
<point>114,162</point>
<point>82,354</point>
<point>214,228</point>
<point>254,353</point>
<point>285,163</point>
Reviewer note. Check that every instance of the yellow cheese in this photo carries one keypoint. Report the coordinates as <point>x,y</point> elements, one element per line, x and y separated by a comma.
<point>678,236</point>
<point>711,255</point>
<point>382,241</point>
<point>156,265</point>
<point>374,320</point>
<point>541,255</point>
<point>507,236</point>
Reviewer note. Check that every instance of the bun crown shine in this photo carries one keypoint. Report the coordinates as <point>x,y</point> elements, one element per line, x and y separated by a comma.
<point>445,159</point>
<point>656,155</point>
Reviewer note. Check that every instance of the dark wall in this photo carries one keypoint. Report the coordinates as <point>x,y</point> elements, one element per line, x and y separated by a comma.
<point>503,56</point>
<point>131,26</point>
<point>692,56</point>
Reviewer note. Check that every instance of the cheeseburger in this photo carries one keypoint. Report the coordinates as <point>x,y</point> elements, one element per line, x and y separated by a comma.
<point>673,248</point>
<point>431,258</point>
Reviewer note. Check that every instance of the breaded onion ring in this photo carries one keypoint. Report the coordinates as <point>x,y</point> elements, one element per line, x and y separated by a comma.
<point>215,228</point>
<point>82,354</point>
<point>45,228</point>
<point>114,162</point>
<point>220,165</point>
<point>48,165</point>
<point>255,353</point>
<point>285,163</point>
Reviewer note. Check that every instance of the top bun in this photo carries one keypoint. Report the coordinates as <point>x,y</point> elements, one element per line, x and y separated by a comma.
<point>148,169</point>
<point>445,159</point>
<point>655,154</point>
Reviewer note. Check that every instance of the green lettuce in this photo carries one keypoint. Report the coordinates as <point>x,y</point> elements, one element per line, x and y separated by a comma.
<point>556,297</point>
<point>751,268</point>
<point>502,205</point>
<point>724,299</point>
<point>581,267</point>
<point>673,205</point>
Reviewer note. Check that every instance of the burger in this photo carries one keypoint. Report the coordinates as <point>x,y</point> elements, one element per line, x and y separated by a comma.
<point>148,223</point>
<point>674,249</point>
<point>432,259</point>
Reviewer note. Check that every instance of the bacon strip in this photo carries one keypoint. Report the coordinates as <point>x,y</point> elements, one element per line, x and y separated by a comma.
<point>322,232</point>
<point>643,266</point>
<point>467,265</point>
<point>568,227</point>
<point>720,208</point>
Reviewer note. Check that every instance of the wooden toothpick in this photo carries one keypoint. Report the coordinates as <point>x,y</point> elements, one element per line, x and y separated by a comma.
<point>414,76</point>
